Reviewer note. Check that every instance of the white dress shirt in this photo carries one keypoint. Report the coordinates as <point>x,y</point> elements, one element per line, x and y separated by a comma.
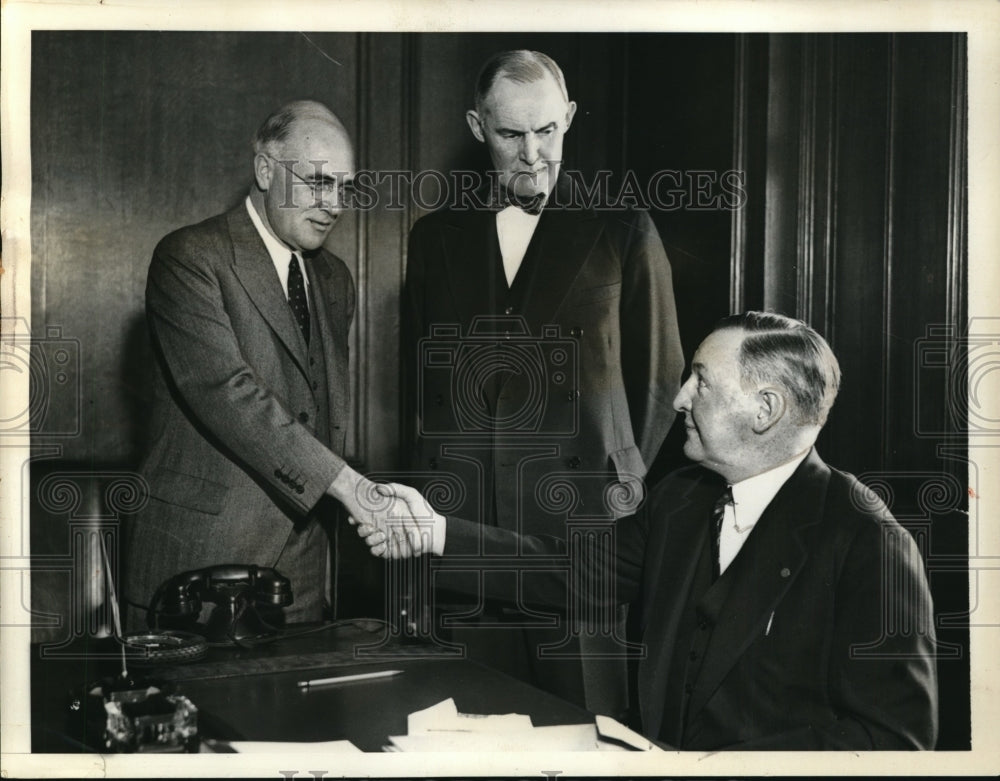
<point>750,498</point>
<point>515,227</point>
<point>280,254</point>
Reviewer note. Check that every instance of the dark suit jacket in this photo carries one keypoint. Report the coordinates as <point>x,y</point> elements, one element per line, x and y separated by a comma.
<point>234,458</point>
<point>608,365</point>
<point>819,635</point>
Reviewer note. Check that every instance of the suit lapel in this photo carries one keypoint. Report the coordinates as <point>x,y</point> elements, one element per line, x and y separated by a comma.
<point>253,267</point>
<point>560,246</point>
<point>470,256</point>
<point>671,564</point>
<point>750,590</point>
<point>325,300</point>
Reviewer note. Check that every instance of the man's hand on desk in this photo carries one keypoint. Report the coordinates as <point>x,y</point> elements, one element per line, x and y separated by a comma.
<point>391,539</point>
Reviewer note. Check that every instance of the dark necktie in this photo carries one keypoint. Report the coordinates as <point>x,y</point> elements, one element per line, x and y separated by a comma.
<point>297,297</point>
<point>529,204</point>
<point>718,513</point>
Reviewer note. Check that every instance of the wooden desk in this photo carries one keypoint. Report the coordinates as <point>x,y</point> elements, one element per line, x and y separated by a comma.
<point>253,694</point>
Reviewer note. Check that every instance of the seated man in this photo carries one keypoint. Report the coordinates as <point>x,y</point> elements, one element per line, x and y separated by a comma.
<point>781,605</point>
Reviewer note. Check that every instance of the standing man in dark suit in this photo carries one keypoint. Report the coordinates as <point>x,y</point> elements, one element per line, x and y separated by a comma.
<point>782,606</point>
<point>249,318</point>
<point>543,354</point>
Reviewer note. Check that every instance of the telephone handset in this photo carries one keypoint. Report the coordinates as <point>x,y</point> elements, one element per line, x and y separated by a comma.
<point>243,595</point>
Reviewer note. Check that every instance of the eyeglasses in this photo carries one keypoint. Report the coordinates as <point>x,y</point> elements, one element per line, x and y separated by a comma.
<point>327,189</point>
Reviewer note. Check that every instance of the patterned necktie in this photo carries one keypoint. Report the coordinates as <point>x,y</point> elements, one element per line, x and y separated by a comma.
<point>718,513</point>
<point>297,296</point>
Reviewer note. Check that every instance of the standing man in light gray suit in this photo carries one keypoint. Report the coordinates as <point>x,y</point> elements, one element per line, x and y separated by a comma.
<point>249,317</point>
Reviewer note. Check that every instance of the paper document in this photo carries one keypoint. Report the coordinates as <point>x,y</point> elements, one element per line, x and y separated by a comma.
<point>609,729</point>
<point>444,717</point>
<point>442,728</point>
<point>570,737</point>
<point>277,747</point>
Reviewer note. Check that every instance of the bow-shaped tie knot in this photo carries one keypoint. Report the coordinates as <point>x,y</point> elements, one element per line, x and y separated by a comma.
<point>530,204</point>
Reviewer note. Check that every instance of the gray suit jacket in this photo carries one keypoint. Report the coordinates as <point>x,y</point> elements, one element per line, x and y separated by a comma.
<point>234,458</point>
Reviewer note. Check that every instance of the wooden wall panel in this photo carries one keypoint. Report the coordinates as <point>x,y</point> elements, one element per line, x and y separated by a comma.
<point>859,253</point>
<point>863,236</point>
<point>136,134</point>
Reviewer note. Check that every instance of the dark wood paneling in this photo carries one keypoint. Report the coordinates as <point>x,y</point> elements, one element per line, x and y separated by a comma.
<point>677,124</point>
<point>133,135</point>
<point>853,437</point>
<point>786,168</point>
<point>864,237</point>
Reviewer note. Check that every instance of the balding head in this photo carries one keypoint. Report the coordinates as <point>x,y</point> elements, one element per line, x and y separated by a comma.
<point>272,134</point>
<point>303,160</point>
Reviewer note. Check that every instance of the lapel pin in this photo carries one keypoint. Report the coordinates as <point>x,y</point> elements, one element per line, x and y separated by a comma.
<point>785,572</point>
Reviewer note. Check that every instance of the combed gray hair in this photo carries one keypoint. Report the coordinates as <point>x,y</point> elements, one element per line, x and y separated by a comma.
<point>519,65</point>
<point>790,353</point>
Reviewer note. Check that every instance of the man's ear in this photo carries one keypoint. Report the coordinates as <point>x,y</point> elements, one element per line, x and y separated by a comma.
<point>771,408</point>
<point>263,170</point>
<point>570,113</point>
<point>475,125</point>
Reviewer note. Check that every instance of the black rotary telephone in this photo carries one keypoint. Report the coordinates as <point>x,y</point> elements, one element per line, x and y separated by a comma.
<point>247,602</point>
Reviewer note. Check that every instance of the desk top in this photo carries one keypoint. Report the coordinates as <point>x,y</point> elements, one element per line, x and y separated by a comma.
<point>253,694</point>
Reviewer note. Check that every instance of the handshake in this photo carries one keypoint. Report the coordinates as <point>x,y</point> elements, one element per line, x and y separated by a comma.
<point>395,520</point>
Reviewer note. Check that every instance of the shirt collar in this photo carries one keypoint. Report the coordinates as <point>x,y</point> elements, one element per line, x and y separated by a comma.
<point>279,252</point>
<point>752,496</point>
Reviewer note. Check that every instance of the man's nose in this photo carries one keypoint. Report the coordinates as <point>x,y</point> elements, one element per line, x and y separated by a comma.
<point>529,148</point>
<point>682,401</point>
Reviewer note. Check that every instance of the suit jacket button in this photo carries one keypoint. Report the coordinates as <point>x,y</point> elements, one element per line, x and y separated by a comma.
<point>573,395</point>
<point>312,361</point>
<point>703,625</point>
<point>576,331</point>
<point>277,473</point>
<point>299,489</point>
<point>303,417</point>
<point>315,385</point>
<point>574,462</point>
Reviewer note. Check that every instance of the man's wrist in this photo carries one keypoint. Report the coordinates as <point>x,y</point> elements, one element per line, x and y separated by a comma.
<point>438,534</point>
<point>344,487</point>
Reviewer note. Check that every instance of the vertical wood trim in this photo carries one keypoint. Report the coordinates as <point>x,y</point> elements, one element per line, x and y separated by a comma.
<point>409,149</point>
<point>832,181</point>
<point>887,258</point>
<point>625,87</point>
<point>806,207</point>
<point>738,217</point>
<point>364,327</point>
<point>957,193</point>
<point>409,139</point>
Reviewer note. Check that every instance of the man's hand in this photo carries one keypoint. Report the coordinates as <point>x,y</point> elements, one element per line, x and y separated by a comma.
<point>388,543</point>
<point>380,508</point>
